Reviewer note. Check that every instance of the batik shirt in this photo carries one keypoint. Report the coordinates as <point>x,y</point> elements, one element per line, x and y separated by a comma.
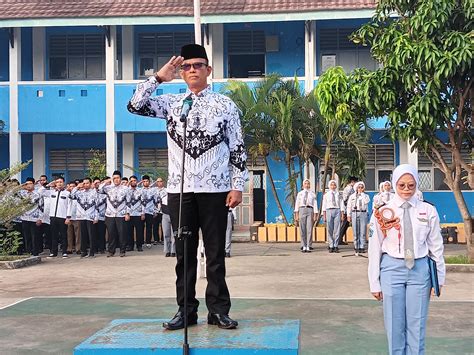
<point>101,206</point>
<point>215,153</point>
<point>162,207</point>
<point>86,207</point>
<point>34,214</point>
<point>134,202</point>
<point>150,199</point>
<point>116,199</point>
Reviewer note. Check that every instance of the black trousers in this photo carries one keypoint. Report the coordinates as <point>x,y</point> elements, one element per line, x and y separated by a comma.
<point>156,227</point>
<point>31,235</point>
<point>117,233</point>
<point>344,225</point>
<point>100,235</point>
<point>58,232</point>
<point>88,237</point>
<point>46,237</point>
<point>148,227</point>
<point>208,212</point>
<point>136,224</point>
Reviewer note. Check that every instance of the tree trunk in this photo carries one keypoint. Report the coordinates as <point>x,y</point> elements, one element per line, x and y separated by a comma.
<point>274,191</point>
<point>466,217</point>
<point>323,185</point>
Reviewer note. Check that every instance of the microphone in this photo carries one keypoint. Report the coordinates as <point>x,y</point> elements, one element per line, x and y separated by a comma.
<point>187,104</point>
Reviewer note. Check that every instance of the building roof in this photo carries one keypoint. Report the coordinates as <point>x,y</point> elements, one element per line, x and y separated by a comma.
<point>48,9</point>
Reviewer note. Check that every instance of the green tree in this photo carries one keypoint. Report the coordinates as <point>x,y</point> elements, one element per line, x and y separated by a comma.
<point>258,125</point>
<point>425,84</point>
<point>342,123</point>
<point>97,166</point>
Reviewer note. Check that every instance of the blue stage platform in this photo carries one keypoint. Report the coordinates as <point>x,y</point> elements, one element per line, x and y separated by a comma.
<point>147,336</point>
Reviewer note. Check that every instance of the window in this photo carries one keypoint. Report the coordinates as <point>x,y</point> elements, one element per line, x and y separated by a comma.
<point>153,161</point>
<point>156,49</point>
<point>436,176</point>
<point>73,163</point>
<point>246,54</point>
<point>379,166</point>
<point>336,49</point>
<point>77,57</point>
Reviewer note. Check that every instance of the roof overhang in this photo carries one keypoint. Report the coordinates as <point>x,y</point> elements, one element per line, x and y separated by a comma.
<point>175,20</point>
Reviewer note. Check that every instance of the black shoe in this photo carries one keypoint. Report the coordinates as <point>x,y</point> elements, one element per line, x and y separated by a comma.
<point>78,252</point>
<point>128,249</point>
<point>173,255</point>
<point>301,248</point>
<point>336,250</point>
<point>362,251</point>
<point>122,254</point>
<point>101,252</point>
<point>311,248</point>
<point>343,243</point>
<point>227,255</point>
<point>139,249</point>
<point>223,321</point>
<point>178,321</point>
<point>109,255</point>
<point>83,255</point>
<point>167,255</point>
<point>308,250</point>
<point>331,250</point>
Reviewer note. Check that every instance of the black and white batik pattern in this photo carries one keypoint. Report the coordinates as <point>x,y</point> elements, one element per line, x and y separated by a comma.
<point>86,208</point>
<point>215,152</point>
<point>150,199</point>
<point>35,213</point>
<point>101,206</point>
<point>116,199</point>
<point>134,202</point>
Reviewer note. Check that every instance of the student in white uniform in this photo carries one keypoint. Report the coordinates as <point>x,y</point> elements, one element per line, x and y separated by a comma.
<point>357,207</point>
<point>402,235</point>
<point>306,209</point>
<point>333,208</point>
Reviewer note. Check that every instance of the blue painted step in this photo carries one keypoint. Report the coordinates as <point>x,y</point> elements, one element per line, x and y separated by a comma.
<point>147,336</point>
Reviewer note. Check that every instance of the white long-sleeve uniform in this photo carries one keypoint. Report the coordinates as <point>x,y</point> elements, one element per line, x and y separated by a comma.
<point>426,234</point>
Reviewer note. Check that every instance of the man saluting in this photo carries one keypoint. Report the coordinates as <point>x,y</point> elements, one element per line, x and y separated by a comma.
<point>214,175</point>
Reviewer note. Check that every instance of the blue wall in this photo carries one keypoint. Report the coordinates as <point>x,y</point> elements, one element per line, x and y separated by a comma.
<point>5,105</point>
<point>27,154</point>
<point>127,122</point>
<point>26,54</point>
<point>290,56</point>
<point>70,113</point>
<point>4,152</point>
<point>4,54</point>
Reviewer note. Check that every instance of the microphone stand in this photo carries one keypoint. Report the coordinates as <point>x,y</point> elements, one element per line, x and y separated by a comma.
<point>183,232</point>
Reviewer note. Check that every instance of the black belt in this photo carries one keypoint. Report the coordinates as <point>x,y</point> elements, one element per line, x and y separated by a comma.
<point>306,207</point>
<point>359,210</point>
<point>422,257</point>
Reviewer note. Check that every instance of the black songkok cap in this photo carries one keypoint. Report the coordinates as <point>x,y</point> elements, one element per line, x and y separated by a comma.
<point>191,51</point>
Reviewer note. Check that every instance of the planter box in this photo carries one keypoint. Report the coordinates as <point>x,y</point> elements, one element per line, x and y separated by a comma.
<point>16,264</point>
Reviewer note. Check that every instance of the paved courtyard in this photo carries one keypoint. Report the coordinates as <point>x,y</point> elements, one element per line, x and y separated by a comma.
<point>52,307</point>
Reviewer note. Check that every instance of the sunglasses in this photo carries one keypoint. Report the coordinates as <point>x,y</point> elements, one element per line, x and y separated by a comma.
<point>196,66</point>
<point>410,186</point>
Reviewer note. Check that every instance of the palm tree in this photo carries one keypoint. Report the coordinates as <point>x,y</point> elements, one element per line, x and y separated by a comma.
<point>258,125</point>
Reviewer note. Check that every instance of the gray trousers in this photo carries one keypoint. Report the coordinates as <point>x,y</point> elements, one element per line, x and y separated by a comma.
<point>228,233</point>
<point>359,228</point>
<point>306,226</point>
<point>168,236</point>
<point>333,221</point>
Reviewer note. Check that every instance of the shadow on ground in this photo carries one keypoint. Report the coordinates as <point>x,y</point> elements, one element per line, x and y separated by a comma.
<point>57,325</point>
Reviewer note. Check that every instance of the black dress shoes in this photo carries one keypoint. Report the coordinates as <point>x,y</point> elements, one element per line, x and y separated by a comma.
<point>223,321</point>
<point>178,321</point>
